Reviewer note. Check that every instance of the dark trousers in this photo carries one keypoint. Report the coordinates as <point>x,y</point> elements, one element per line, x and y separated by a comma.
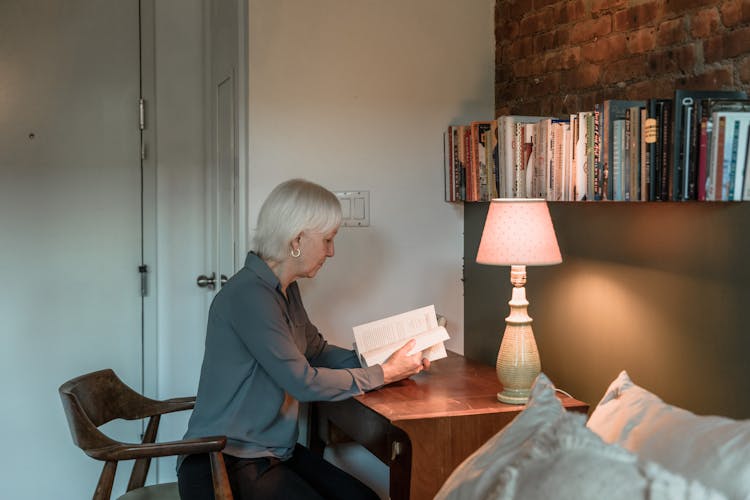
<point>304,476</point>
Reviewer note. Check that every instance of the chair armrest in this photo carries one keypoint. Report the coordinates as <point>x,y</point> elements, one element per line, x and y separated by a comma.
<point>131,451</point>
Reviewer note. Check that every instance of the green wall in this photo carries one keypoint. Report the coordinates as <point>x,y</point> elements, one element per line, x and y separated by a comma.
<point>661,290</point>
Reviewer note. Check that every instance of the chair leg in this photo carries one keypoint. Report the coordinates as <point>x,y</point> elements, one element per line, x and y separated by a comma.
<point>106,480</point>
<point>141,465</point>
<point>222,490</point>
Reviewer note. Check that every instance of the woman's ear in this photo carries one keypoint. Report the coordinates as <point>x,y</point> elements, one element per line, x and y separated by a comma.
<point>296,241</point>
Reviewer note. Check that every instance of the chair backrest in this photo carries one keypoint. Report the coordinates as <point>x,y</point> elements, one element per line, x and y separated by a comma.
<point>96,398</point>
<point>99,397</point>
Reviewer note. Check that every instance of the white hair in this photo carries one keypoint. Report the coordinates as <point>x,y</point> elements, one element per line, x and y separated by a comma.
<point>292,207</point>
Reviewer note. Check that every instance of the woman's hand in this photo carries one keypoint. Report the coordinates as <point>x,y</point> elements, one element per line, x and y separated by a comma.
<point>401,365</point>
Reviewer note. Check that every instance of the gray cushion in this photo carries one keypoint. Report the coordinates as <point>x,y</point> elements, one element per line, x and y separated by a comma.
<point>162,491</point>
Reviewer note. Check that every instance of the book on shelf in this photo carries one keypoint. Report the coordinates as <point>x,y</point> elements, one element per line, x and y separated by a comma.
<point>611,110</point>
<point>479,156</point>
<point>658,149</point>
<point>511,153</point>
<point>686,137</point>
<point>376,341</point>
<point>726,170</point>
<point>448,165</point>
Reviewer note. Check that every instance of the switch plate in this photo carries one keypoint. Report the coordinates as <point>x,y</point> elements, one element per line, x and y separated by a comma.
<point>355,208</point>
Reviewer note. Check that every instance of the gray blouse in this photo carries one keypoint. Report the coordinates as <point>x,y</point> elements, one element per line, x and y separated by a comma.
<point>262,357</point>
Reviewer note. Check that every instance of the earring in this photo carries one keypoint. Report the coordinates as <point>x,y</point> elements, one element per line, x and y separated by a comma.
<point>295,253</point>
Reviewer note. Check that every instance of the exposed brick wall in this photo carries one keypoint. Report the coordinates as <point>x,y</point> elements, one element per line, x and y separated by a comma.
<point>557,57</point>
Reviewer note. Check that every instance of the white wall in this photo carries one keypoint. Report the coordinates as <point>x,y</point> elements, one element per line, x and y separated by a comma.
<point>355,95</point>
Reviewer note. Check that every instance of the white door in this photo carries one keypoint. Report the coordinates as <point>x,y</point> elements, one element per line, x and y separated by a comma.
<point>226,104</point>
<point>182,332</point>
<point>70,227</point>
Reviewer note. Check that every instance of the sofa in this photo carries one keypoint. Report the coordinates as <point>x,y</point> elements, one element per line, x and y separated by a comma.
<point>633,446</point>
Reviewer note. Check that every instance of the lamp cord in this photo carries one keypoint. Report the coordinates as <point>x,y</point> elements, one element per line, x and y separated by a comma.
<point>565,393</point>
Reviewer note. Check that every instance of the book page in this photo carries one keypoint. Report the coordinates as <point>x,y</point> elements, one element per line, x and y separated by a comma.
<point>430,343</point>
<point>400,327</point>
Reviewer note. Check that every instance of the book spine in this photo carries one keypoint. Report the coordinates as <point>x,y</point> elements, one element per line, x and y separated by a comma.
<point>626,152</point>
<point>597,154</point>
<point>730,161</point>
<point>447,165</point>
<point>606,152</point>
<point>664,165</point>
<point>702,176</point>
<point>618,133</point>
<point>644,157</point>
<point>717,163</point>
<point>457,176</point>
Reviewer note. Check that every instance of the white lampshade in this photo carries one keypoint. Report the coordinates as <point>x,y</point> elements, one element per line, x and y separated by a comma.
<point>518,231</point>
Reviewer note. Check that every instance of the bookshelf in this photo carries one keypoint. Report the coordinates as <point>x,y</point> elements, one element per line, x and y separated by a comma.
<point>693,147</point>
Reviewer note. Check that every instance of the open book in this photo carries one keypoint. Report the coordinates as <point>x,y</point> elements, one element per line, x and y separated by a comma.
<point>374,342</point>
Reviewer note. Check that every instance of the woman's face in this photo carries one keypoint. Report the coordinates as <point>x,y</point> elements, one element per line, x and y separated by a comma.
<point>315,248</point>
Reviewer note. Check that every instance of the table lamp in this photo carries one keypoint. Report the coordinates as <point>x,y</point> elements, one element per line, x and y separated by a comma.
<point>518,232</point>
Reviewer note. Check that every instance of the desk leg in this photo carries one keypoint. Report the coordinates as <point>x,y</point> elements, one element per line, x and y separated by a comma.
<point>400,465</point>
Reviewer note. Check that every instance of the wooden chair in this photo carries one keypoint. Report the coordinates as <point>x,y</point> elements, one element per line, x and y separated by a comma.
<point>99,397</point>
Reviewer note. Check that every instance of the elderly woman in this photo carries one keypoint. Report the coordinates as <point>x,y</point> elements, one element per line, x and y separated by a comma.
<point>263,356</point>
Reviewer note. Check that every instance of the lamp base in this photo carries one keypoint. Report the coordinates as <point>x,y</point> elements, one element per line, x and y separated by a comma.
<point>513,397</point>
<point>518,361</point>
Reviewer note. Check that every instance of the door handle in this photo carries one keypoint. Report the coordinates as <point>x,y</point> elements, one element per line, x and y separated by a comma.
<point>204,281</point>
<point>209,282</point>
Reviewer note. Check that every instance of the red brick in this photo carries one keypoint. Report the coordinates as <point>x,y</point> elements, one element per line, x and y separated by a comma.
<point>528,66</point>
<point>704,23</point>
<point>591,29</point>
<point>512,9</point>
<point>642,40</point>
<point>605,49</point>
<point>506,29</point>
<point>743,70</point>
<point>564,59</point>
<point>713,78</point>
<point>567,12</point>
<point>673,60</point>
<point>726,45</point>
<point>537,22</point>
<point>600,5</point>
<point>671,32</point>
<point>636,17</point>
<point>624,70</point>
<point>581,77</point>
<point>681,6</point>
<point>659,88</point>
<point>731,13</point>
<point>538,4</point>
<point>543,85</point>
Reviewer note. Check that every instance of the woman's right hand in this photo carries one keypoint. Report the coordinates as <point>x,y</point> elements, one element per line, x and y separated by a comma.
<point>401,365</point>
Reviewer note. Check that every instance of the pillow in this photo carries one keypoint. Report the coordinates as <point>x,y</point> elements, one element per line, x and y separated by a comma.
<point>713,450</point>
<point>546,452</point>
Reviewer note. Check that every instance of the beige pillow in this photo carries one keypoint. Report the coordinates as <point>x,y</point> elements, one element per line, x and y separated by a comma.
<point>546,452</point>
<point>713,450</point>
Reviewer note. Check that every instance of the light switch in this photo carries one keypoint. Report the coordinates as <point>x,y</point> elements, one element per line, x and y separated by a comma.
<point>355,208</point>
<point>359,209</point>
<point>346,208</point>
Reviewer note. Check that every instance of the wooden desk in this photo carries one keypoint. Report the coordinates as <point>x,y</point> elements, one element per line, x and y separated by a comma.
<point>423,427</point>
